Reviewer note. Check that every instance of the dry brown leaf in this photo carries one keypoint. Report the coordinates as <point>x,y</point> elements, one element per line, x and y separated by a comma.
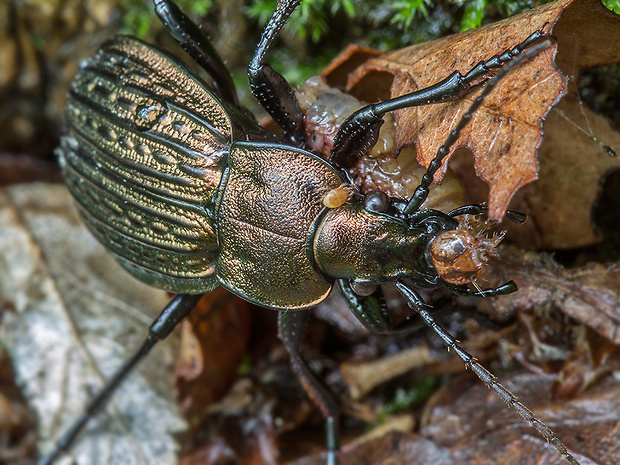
<point>16,419</point>
<point>562,204</point>
<point>76,316</point>
<point>467,424</point>
<point>476,420</point>
<point>213,342</point>
<point>586,365</point>
<point>572,168</point>
<point>15,169</point>
<point>505,133</point>
<point>589,294</point>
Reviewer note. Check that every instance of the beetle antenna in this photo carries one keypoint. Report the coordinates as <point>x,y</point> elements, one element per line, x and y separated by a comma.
<point>421,192</point>
<point>415,302</point>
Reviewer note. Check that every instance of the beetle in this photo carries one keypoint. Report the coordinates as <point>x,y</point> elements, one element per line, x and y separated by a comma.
<point>188,193</point>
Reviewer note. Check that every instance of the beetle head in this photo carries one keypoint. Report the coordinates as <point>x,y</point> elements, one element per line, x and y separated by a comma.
<point>460,256</point>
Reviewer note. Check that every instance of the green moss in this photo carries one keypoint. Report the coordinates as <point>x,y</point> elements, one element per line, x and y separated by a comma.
<point>309,38</point>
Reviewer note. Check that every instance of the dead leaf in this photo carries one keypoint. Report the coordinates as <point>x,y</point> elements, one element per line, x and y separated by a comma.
<point>477,421</point>
<point>213,343</point>
<point>586,365</point>
<point>16,419</point>
<point>572,168</point>
<point>562,204</point>
<point>467,424</point>
<point>505,133</point>
<point>15,169</point>
<point>589,294</point>
<point>68,332</point>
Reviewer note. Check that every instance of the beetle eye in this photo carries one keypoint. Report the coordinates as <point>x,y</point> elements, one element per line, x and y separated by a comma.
<point>376,201</point>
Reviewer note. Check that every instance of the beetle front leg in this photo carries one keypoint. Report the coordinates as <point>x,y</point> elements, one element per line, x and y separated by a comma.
<point>290,329</point>
<point>474,209</point>
<point>197,45</point>
<point>269,87</point>
<point>370,310</point>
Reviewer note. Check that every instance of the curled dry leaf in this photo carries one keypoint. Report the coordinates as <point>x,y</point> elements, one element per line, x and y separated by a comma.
<point>506,132</point>
<point>76,315</point>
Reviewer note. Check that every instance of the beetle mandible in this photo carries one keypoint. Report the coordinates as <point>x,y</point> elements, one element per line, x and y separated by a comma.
<point>188,192</point>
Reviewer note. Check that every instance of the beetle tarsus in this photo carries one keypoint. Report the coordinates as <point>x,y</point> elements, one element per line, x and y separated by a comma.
<point>333,444</point>
<point>474,209</point>
<point>506,288</point>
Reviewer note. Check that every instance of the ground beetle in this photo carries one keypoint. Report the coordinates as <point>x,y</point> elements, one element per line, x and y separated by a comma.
<point>188,193</point>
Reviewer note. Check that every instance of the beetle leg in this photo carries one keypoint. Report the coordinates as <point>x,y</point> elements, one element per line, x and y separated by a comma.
<point>290,330</point>
<point>171,315</point>
<point>370,310</point>
<point>195,42</point>
<point>373,313</point>
<point>421,192</point>
<point>506,288</point>
<point>359,132</point>
<point>416,303</point>
<point>269,87</point>
<point>514,216</point>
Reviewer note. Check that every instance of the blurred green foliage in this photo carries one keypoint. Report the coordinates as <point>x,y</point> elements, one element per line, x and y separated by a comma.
<point>138,14</point>
<point>319,29</point>
<point>613,5</point>
<point>407,398</point>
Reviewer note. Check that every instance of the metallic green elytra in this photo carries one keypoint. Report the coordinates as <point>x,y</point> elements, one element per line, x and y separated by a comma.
<point>150,158</point>
<point>145,152</point>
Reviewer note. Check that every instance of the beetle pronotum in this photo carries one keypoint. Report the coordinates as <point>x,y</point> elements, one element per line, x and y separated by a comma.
<point>170,176</point>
